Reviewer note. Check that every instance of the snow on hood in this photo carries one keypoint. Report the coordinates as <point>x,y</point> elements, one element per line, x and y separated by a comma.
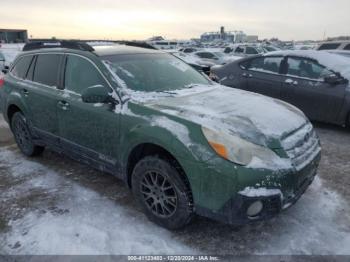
<point>333,62</point>
<point>254,117</point>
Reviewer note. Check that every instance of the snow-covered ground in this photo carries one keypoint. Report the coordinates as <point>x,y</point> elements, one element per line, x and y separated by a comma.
<point>52,205</point>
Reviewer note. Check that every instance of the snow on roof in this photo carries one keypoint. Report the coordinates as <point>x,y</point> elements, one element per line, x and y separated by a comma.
<point>331,61</point>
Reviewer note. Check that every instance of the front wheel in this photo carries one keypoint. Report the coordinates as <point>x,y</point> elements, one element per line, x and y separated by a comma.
<point>23,136</point>
<point>162,193</point>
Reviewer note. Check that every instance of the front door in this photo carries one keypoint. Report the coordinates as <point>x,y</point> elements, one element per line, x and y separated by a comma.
<point>304,87</point>
<point>90,130</point>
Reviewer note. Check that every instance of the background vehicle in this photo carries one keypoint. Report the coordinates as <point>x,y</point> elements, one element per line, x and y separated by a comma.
<point>248,50</point>
<point>334,45</point>
<point>340,52</point>
<point>2,61</point>
<point>188,50</point>
<point>183,144</point>
<point>196,63</point>
<point>317,82</point>
<point>216,57</point>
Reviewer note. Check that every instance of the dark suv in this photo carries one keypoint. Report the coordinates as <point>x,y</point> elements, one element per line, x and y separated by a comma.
<point>182,143</point>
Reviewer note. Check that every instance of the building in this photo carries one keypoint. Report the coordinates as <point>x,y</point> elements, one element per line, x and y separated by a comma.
<point>222,35</point>
<point>251,38</point>
<point>13,36</point>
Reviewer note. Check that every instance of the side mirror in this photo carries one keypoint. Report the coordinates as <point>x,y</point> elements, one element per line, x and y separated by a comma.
<point>97,94</point>
<point>334,79</point>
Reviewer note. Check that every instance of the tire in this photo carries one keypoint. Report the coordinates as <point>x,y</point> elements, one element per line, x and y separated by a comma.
<point>23,136</point>
<point>163,195</point>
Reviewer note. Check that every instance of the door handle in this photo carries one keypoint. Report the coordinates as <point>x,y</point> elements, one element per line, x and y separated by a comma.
<point>63,105</point>
<point>25,92</point>
<point>247,75</point>
<point>291,82</point>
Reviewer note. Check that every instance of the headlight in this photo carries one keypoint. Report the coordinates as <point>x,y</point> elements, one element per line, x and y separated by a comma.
<point>236,149</point>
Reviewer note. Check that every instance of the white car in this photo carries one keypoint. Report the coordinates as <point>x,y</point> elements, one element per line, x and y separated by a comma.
<point>215,57</point>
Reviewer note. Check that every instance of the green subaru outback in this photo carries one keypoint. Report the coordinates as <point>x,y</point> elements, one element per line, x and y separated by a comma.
<point>182,143</point>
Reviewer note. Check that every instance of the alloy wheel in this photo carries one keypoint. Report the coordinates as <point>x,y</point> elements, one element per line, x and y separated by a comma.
<point>159,194</point>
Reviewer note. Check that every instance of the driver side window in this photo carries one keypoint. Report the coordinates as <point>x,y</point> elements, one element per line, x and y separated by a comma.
<point>306,68</point>
<point>81,74</point>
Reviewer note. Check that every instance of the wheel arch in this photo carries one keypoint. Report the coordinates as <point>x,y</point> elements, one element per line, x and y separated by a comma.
<point>11,110</point>
<point>147,149</point>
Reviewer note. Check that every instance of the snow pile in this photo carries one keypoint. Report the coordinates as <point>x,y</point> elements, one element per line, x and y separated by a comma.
<point>81,222</point>
<point>333,62</point>
<point>319,223</point>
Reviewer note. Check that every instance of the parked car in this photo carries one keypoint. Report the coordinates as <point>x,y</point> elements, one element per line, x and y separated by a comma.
<point>2,61</point>
<point>340,52</point>
<point>183,144</point>
<point>188,50</point>
<point>215,57</point>
<point>316,82</point>
<point>196,63</point>
<point>334,45</point>
<point>248,50</point>
<point>270,48</point>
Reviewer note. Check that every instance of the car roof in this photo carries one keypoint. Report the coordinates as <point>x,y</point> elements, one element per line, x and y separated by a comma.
<point>122,50</point>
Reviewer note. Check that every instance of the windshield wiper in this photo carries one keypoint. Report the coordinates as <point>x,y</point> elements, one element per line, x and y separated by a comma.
<point>167,92</point>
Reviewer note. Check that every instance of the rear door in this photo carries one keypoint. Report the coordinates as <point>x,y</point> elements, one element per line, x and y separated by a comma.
<point>86,129</point>
<point>263,76</point>
<point>41,92</point>
<point>39,89</point>
<point>304,87</point>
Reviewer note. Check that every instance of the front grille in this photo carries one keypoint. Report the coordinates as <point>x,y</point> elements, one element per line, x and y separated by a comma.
<point>302,146</point>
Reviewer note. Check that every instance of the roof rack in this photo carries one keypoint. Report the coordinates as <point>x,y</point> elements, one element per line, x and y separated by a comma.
<point>58,44</point>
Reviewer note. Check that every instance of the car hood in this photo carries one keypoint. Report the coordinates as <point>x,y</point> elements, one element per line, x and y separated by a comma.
<point>256,118</point>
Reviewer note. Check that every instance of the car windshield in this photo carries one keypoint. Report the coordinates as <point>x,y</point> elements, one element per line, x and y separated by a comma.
<point>155,72</point>
<point>2,58</point>
<point>260,49</point>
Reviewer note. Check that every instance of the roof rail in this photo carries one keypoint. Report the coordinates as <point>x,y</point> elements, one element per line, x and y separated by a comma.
<point>56,44</point>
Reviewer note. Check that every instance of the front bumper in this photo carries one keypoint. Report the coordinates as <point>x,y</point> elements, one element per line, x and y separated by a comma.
<point>235,209</point>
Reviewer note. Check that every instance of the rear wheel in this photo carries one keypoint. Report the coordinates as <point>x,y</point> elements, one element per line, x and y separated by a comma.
<point>163,195</point>
<point>23,136</point>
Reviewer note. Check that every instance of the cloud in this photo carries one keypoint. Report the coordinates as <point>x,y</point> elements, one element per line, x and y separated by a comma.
<point>139,19</point>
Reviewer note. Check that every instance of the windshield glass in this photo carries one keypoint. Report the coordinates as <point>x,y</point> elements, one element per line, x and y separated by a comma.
<point>260,49</point>
<point>154,72</point>
<point>2,58</point>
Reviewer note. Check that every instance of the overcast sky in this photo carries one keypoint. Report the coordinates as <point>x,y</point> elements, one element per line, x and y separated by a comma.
<point>181,19</point>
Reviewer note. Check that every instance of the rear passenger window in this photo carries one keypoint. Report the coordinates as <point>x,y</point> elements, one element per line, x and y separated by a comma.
<point>81,74</point>
<point>46,69</point>
<point>21,67</point>
<point>347,47</point>
<point>266,64</point>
